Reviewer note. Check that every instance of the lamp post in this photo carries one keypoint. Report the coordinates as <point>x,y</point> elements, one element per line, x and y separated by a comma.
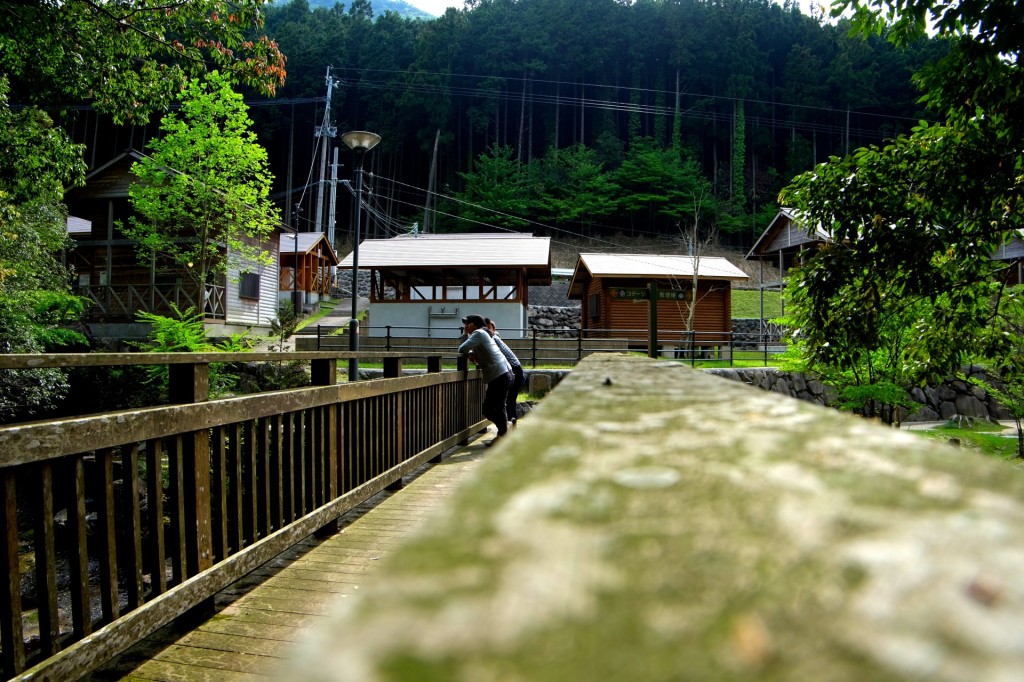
<point>360,142</point>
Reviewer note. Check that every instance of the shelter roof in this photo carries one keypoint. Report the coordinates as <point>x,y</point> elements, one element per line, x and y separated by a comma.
<point>649,266</point>
<point>785,232</point>
<point>306,243</point>
<point>458,253</point>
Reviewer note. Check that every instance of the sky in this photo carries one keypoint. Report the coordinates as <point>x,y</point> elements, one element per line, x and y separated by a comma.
<point>437,7</point>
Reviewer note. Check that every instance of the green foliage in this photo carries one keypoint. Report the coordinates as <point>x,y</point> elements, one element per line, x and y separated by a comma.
<point>576,188</point>
<point>186,333</point>
<point>497,192</point>
<point>659,186</point>
<point>80,50</point>
<point>1002,352</point>
<point>126,57</point>
<point>205,188</point>
<point>860,366</point>
<point>36,307</point>
<point>908,290</point>
<point>1009,391</point>
<point>881,399</point>
<point>284,324</point>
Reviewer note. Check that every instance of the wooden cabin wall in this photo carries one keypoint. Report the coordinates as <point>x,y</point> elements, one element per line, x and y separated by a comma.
<point>714,309</point>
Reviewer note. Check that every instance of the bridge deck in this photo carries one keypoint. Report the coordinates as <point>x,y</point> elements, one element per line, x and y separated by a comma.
<point>259,619</point>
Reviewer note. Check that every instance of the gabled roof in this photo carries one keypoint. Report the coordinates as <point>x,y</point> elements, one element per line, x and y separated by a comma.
<point>649,266</point>
<point>110,180</point>
<point>307,242</point>
<point>785,231</point>
<point>465,253</point>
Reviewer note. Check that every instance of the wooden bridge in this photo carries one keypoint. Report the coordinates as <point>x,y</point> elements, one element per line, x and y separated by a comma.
<point>229,485</point>
<point>647,522</point>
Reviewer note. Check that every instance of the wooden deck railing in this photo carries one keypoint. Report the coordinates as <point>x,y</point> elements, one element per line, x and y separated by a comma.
<point>566,346</point>
<point>189,497</point>
<point>124,301</point>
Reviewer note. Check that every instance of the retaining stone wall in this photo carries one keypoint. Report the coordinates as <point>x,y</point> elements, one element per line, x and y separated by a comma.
<point>952,398</point>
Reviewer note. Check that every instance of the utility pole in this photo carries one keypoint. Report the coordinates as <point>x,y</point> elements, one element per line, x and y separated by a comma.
<point>326,130</point>
<point>428,221</point>
<point>334,201</point>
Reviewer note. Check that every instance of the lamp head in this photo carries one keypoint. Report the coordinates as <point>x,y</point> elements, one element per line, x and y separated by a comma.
<point>360,140</point>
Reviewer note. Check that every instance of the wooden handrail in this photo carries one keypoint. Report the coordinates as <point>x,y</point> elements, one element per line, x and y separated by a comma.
<point>230,484</point>
<point>40,360</point>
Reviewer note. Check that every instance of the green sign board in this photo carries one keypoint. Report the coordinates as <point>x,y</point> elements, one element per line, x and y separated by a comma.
<point>638,294</point>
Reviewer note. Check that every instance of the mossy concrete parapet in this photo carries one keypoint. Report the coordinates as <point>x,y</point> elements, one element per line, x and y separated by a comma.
<point>651,522</point>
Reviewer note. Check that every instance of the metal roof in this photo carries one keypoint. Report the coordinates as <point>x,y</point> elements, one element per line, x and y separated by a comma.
<point>647,266</point>
<point>306,242</point>
<point>454,251</point>
<point>785,219</point>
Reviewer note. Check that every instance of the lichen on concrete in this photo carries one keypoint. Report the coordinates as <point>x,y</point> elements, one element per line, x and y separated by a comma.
<point>650,522</point>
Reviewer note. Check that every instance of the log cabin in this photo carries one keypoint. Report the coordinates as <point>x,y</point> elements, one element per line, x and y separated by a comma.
<point>310,255</point>
<point>110,273</point>
<point>612,290</point>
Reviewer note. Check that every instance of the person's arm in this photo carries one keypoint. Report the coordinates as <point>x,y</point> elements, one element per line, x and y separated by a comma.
<point>471,342</point>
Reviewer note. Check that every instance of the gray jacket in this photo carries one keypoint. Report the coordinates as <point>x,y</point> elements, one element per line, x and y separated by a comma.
<point>490,359</point>
<point>513,361</point>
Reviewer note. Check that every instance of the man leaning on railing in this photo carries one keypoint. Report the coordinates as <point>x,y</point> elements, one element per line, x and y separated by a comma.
<point>478,345</point>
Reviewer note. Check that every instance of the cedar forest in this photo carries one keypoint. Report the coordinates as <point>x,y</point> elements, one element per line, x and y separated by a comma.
<point>568,117</point>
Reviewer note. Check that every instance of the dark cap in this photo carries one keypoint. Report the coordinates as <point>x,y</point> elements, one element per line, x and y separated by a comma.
<point>475,320</point>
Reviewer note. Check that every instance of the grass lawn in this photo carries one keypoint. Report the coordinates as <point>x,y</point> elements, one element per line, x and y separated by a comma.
<point>322,311</point>
<point>746,303</point>
<point>980,437</point>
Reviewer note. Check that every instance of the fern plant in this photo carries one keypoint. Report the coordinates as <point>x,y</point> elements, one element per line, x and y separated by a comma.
<point>186,333</point>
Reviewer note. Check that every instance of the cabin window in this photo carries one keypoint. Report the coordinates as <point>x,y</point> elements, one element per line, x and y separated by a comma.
<point>249,285</point>
<point>594,306</point>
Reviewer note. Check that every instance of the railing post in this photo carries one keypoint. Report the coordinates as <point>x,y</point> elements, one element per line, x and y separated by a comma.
<point>462,365</point>
<point>12,642</point>
<point>392,368</point>
<point>579,345</point>
<point>353,345</point>
<point>323,372</point>
<point>190,383</point>
<point>387,337</point>
<point>318,337</point>
<point>533,351</point>
<point>434,363</point>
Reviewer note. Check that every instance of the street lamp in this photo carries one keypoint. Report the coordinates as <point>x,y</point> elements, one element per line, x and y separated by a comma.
<point>360,142</point>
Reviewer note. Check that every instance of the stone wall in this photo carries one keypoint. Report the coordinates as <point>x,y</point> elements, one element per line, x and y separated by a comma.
<point>554,320</point>
<point>344,279</point>
<point>952,398</point>
<point>564,321</point>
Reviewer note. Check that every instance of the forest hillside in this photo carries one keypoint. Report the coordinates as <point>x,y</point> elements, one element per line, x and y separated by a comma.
<point>567,117</point>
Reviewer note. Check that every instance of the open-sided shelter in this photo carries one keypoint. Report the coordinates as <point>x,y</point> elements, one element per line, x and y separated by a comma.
<point>423,285</point>
<point>110,274</point>
<point>610,288</point>
<point>307,268</point>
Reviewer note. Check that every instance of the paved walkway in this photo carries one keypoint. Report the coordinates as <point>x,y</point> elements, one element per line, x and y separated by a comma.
<point>260,618</point>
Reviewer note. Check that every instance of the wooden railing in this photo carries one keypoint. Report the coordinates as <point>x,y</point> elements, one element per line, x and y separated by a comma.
<point>189,497</point>
<point>123,301</point>
<point>568,346</point>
